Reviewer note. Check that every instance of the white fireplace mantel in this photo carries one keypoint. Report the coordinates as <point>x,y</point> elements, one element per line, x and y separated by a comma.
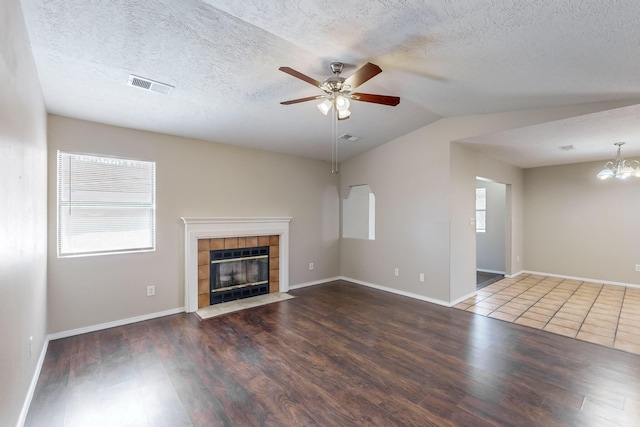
<point>211,228</point>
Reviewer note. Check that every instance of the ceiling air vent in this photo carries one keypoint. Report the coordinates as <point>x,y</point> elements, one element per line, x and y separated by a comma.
<point>348,137</point>
<point>567,147</point>
<point>147,84</point>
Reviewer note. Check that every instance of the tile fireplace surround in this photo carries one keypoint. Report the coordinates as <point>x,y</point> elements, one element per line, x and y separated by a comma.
<point>210,228</point>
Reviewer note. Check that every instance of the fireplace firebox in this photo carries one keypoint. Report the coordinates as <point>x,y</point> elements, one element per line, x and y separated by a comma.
<point>238,273</point>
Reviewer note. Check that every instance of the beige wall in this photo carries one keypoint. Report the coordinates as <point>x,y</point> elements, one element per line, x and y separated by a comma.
<point>194,178</point>
<point>467,164</point>
<point>463,232</point>
<point>23,154</point>
<point>412,216</point>
<point>577,225</point>
<point>424,184</point>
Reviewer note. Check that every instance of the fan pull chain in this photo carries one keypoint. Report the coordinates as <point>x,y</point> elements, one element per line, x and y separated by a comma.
<point>334,142</point>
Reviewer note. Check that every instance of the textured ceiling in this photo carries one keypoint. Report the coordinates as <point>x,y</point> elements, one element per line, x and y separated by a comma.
<point>442,57</point>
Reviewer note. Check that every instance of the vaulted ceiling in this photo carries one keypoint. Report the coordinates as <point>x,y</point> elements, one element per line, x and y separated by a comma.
<point>441,57</point>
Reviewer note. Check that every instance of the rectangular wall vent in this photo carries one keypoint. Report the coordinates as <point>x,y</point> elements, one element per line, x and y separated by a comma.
<point>348,137</point>
<point>148,84</point>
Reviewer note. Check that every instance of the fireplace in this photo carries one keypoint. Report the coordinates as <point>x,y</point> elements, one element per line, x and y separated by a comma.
<point>238,273</point>
<point>203,234</point>
<point>234,254</point>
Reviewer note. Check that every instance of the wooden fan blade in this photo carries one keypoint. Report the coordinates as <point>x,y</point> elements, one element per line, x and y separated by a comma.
<point>366,72</point>
<point>299,75</point>
<point>308,98</point>
<point>376,99</point>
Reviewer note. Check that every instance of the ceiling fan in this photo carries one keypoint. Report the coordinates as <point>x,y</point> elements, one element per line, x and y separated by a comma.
<point>338,90</point>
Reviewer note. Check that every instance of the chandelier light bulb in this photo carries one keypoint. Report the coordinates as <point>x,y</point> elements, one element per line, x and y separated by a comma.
<point>605,173</point>
<point>325,106</point>
<point>342,103</point>
<point>343,114</point>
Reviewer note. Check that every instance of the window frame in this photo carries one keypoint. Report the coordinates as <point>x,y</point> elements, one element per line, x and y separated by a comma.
<point>146,167</point>
<point>482,210</point>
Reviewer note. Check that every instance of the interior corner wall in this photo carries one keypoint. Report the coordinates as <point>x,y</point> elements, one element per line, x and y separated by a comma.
<point>470,164</point>
<point>23,184</point>
<point>193,179</point>
<point>425,194</point>
<point>463,237</point>
<point>463,230</point>
<point>577,225</point>
<point>412,216</point>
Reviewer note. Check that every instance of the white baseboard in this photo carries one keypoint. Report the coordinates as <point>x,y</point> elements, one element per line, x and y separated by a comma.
<point>383,288</point>
<point>396,291</point>
<point>93,328</point>
<point>482,270</point>
<point>511,276</point>
<point>583,279</point>
<point>34,383</point>
<point>456,301</point>
<point>315,282</point>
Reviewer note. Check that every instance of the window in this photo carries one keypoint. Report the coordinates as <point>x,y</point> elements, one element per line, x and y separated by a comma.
<point>105,205</point>
<point>481,210</point>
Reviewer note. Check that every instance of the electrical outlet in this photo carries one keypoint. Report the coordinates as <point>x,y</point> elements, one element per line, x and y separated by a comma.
<point>151,290</point>
<point>422,277</point>
<point>30,346</point>
<point>637,267</point>
<point>310,266</point>
<point>396,272</point>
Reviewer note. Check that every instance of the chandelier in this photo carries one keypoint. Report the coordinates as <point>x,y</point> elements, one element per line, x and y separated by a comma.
<point>620,168</point>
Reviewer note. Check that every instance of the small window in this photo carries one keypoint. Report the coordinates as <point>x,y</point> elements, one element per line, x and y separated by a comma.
<point>481,210</point>
<point>105,205</point>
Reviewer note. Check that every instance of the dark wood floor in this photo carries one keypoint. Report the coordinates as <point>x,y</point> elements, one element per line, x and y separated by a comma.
<point>337,355</point>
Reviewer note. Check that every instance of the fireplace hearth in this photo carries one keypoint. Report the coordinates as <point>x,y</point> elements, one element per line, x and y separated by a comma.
<point>238,273</point>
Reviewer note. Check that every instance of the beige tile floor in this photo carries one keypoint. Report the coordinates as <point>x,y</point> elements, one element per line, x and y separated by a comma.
<point>602,314</point>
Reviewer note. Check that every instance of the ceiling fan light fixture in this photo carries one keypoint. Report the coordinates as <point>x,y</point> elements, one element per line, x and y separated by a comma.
<point>342,103</point>
<point>338,94</point>
<point>325,106</point>
<point>343,114</point>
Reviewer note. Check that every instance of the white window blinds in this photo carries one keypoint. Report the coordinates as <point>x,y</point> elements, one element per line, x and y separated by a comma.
<point>105,205</point>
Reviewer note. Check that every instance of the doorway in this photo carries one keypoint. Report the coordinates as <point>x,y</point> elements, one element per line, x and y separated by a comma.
<point>491,214</point>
